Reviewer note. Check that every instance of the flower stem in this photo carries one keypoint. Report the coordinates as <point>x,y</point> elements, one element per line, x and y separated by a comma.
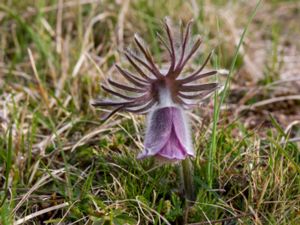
<point>188,180</point>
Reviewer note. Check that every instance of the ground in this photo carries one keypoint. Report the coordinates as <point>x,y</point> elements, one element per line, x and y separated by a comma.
<point>60,164</point>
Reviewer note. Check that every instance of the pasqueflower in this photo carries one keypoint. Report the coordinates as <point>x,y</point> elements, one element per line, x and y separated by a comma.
<point>165,94</point>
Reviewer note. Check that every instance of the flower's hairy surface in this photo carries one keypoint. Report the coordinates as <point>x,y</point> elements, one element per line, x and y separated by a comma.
<point>164,93</point>
<point>167,135</point>
<point>147,90</point>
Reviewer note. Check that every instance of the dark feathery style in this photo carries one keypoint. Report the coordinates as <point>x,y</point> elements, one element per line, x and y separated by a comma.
<point>151,79</point>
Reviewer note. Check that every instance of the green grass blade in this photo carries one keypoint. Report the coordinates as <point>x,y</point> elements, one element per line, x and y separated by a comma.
<point>8,165</point>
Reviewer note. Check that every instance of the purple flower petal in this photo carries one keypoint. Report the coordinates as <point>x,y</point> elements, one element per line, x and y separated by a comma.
<point>182,130</point>
<point>173,148</point>
<point>158,131</point>
<point>167,135</point>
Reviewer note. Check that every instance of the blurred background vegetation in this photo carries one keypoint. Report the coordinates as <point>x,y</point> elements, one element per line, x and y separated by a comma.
<point>59,164</point>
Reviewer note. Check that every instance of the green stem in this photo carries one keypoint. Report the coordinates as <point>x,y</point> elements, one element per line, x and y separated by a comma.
<point>188,180</point>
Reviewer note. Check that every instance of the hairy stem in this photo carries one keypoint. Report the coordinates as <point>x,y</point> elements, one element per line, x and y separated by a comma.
<point>188,179</point>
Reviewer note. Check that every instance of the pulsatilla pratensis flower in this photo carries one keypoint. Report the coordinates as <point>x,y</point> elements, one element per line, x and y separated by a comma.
<point>163,93</point>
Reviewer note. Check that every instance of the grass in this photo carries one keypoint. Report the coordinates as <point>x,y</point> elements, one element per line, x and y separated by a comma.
<point>60,164</point>
<point>218,104</point>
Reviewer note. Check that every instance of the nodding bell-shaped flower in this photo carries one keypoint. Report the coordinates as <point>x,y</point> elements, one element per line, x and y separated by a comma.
<point>164,94</point>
